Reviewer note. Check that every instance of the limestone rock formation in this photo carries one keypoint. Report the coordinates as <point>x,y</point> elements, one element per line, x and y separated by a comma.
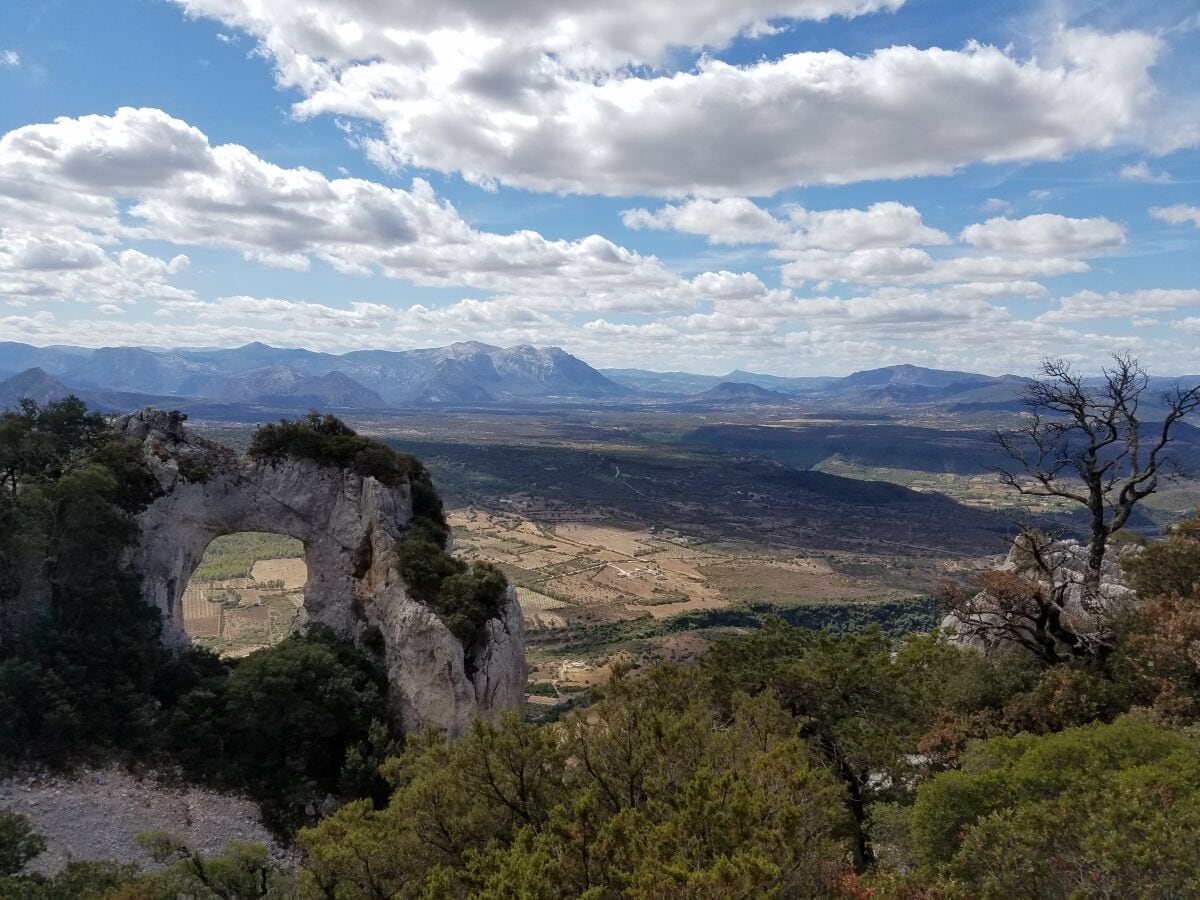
<point>349,525</point>
<point>1067,559</point>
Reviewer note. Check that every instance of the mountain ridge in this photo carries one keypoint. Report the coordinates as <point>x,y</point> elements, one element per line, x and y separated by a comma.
<point>473,372</point>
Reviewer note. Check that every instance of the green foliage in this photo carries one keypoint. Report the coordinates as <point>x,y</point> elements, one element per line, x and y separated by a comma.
<point>464,597</point>
<point>862,701</point>
<point>892,617</point>
<point>42,442</point>
<point>1100,810</point>
<point>82,880</point>
<point>651,792</point>
<point>234,555</point>
<point>329,441</point>
<point>80,660</point>
<point>19,843</point>
<point>83,674</point>
<point>241,871</point>
<point>281,723</point>
<point>1171,567</point>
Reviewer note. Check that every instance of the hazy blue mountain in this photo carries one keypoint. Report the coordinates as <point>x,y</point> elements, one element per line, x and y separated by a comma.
<point>257,355</point>
<point>334,390</point>
<point>280,385</point>
<point>33,384</point>
<point>41,388</point>
<point>54,361</point>
<point>903,383</point>
<point>911,376</point>
<point>667,383</point>
<point>467,372</point>
<point>145,371</point>
<point>525,370</point>
<point>471,372</point>
<point>740,392</point>
<point>788,385</point>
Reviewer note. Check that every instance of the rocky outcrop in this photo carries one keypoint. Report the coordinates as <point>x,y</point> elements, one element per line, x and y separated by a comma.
<point>1084,614</point>
<point>349,525</point>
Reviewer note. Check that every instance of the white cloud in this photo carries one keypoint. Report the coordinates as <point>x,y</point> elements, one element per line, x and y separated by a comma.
<point>69,264</point>
<point>1177,215</point>
<point>1142,172</point>
<point>1087,305</point>
<point>544,97</point>
<point>875,245</point>
<point>10,59</point>
<point>731,220</point>
<point>879,226</point>
<point>585,36</point>
<point>77,173</point>
<point>1045,235</point>
<point>911,266</point>
<point>736,220</point>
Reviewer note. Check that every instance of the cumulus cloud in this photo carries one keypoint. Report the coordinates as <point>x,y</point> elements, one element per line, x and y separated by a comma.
<point>876,245</point>
<point>540,96</point>
<point>68,264</point>
<point>76,192</point>
<point>1134,305</point>
<point>730,220</point>
<point>10,59</point>
<point>737,220</point>
<point>1045,235</point>
<point>77,174</point>
<point>1177,215</point>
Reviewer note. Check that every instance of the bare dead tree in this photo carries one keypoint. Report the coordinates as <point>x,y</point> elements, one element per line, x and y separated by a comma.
<point>1087,444</point>
<point>1027,606</point>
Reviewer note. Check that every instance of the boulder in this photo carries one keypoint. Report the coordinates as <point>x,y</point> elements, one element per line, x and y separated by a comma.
<point>1067,559</point>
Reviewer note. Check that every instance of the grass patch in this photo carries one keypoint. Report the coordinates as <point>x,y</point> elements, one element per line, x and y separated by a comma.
<point>234,555</point>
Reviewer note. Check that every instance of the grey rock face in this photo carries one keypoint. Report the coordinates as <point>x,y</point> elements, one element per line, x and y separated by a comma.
<point>349,525</point>
<point>1083,614</point>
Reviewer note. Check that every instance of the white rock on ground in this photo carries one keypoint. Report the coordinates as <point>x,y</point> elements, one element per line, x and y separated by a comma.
<point>98,814</point>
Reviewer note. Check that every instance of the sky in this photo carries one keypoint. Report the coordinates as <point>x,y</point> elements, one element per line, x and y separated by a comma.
<point>789,186</point>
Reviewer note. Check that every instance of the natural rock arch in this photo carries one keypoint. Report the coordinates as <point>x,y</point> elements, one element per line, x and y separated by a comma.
<point>349,525</point>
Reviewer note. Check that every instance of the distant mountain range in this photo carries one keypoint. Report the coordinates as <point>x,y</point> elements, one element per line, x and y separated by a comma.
<point>466,373</point>
<point>258,374</point>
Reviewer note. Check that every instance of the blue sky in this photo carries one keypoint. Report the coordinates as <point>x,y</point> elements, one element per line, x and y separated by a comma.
<point>794,186</point>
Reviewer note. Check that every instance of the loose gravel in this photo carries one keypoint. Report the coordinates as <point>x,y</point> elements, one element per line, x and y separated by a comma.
<point>98,813</point>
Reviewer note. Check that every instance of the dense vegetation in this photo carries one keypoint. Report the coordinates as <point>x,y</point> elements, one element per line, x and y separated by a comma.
<point>83,675</point>
<point>789,763</point>
<point>329,441</point>
<point>795,763</point>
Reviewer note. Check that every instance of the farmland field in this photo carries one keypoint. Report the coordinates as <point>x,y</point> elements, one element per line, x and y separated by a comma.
<point>246,593</point>
<point>642,534</point>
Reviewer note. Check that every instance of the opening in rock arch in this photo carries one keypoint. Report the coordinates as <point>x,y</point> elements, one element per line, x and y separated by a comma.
<point>246,592</point>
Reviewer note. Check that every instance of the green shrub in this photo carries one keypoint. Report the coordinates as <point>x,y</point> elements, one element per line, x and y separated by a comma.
<point>1100,810</point>
<point>464,597</point>
<point>280,723</point>
<point>19,843</point>
<point>329,441</point>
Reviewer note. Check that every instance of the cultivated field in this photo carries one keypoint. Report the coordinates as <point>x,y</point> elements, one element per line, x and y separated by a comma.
<point>234,616</point>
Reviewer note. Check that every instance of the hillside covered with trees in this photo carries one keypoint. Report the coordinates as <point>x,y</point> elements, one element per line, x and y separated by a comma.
<point>789,762</point>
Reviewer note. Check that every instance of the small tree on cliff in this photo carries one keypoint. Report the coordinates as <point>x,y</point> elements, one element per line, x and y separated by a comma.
<point>1087,443</point>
